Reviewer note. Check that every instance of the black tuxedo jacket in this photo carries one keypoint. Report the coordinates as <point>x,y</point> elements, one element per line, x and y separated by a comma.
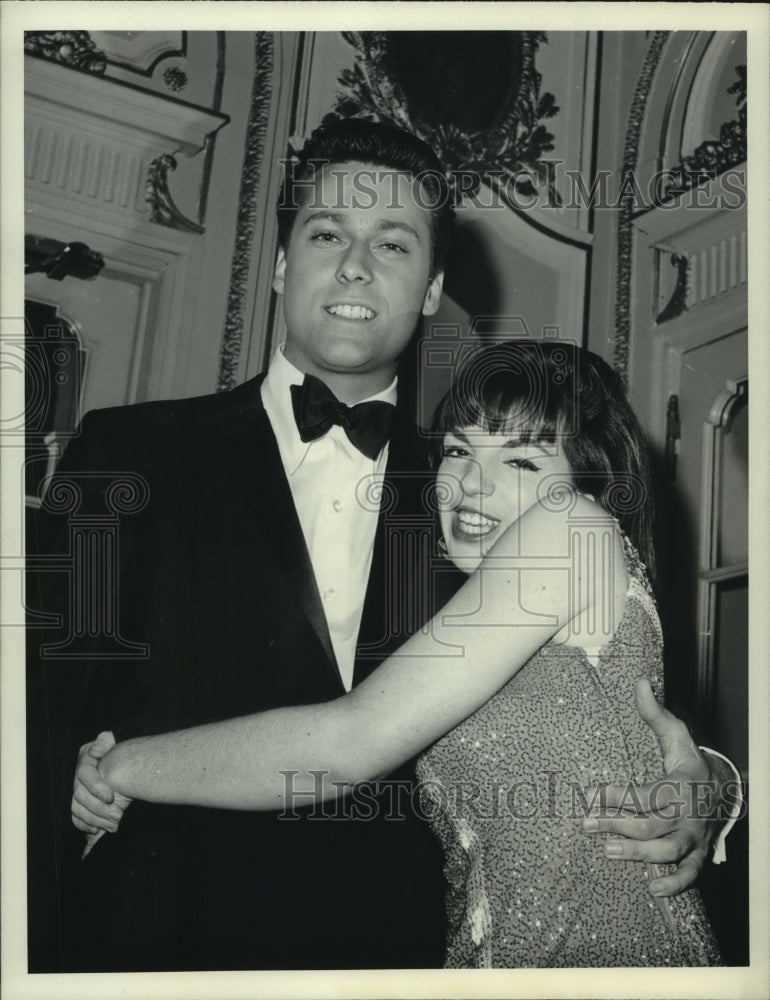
<point>213,584</point>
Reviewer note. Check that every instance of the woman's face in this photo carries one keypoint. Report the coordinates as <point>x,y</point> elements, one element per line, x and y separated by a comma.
<point>486,482</point>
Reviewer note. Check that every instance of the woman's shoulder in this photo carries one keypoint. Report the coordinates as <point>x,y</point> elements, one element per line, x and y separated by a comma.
<point>586,506</point>
<point>577,511</point>
<point>597,550</point>
<point>605,546</point>
<point>556,523</point>
<point>588,530</point>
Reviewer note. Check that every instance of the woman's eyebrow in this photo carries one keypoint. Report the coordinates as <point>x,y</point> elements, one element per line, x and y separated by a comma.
<point>509,443</point>
<point>519,443</point>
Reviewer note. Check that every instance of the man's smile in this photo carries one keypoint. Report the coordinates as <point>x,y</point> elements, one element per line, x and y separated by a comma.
<point>351,311</point>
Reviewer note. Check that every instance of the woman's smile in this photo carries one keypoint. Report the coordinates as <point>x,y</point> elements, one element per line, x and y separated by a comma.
<point>469,525</point>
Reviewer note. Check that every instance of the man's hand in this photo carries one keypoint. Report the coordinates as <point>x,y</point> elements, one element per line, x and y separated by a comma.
<point>667,821</point>
<point>96,809</point>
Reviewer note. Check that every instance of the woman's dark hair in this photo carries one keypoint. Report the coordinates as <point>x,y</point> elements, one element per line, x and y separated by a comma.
<point>345,140</point>
<point>549,391</point>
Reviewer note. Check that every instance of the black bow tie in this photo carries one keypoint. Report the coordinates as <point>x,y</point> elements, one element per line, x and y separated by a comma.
<point>316,408</point>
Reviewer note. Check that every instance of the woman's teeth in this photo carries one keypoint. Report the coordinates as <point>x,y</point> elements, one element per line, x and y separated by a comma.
<point>473,523</point>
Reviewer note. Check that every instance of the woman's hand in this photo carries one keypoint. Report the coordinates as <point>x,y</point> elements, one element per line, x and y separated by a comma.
<point>96,808</point>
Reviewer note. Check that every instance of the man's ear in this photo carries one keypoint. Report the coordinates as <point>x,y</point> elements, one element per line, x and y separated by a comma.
<point>279,275</point>
<point>433,295</point>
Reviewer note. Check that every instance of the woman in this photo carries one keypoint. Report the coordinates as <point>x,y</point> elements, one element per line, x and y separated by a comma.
<point>544,500</point>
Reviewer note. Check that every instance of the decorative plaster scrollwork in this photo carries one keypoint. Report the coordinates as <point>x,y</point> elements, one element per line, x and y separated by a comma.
<point>513,143</point>
<point>70,48</point>
<point>139,52</point>
<point>709,159</point>
<point>175,78</point>
<point>163,211</point>
<point>677,304</point>
<point>714,156</point>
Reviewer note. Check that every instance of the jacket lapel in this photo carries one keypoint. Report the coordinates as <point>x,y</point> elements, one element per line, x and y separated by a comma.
<point>253,455</point>
<point>395,604</point>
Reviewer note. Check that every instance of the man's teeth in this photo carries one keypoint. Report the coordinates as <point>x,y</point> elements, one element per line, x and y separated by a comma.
<point>351,312</point>
<point>475,524</point>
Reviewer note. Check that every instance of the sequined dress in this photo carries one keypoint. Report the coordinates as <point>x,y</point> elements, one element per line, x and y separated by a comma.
<point>506,790</point>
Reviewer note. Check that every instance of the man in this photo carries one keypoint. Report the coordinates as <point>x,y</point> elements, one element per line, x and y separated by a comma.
<point>260,573</point>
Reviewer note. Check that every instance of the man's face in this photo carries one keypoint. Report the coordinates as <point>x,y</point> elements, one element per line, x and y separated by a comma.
<point>356,275</point>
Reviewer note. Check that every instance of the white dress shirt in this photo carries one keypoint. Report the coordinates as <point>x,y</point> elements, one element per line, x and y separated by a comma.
<point>334,487</point>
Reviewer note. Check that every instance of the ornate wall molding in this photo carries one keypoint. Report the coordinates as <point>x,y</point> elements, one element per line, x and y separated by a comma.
<point>89,138</point>
<point>256,131</point>
<point>510,146</point>
<point>88,142</point>
<point>65,161</point>
<point>69,48</point>
<point>717,268</point>
<point>710,261</point>
<point>714,156</point>
<point>163,209</point>
<point>704,272</point>
<point>140,52</point>
<point>625,227</point>
<point>136,51</point>
<point>175,79</point>
<point>677,304</point>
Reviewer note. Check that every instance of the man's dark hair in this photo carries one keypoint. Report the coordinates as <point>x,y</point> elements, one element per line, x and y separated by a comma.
<point>344,140</point>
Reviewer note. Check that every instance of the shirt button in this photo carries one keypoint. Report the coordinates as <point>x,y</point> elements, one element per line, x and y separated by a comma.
<point>337,505</point>
<point>329,594</point>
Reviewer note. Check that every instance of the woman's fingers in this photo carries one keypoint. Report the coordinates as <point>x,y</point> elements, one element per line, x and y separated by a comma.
<point>89,821</point>
<point>93,805</point>
<point>103,743</point>
<point>87,775</point>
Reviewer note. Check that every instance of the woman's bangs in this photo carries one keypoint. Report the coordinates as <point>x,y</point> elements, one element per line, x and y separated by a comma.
<point>508,390</point>
<point>509,408</point>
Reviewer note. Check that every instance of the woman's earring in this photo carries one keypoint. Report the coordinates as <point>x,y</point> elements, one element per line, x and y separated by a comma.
<point>442,546</point>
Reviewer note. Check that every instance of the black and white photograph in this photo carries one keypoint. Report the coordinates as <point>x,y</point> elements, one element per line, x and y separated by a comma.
<point>377,518</point>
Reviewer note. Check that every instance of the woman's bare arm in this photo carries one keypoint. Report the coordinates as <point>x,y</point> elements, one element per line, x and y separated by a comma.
<point>529,586</point>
